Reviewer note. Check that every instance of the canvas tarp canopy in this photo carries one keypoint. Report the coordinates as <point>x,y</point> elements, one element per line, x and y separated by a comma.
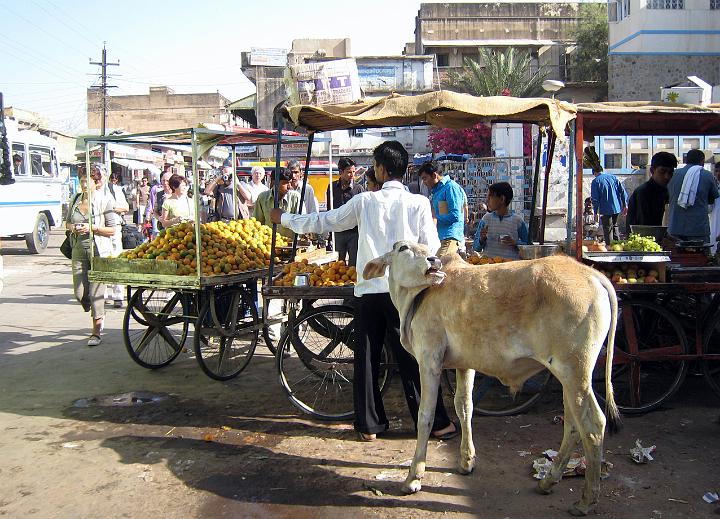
<point>648,118</point>
<point>443,109</point>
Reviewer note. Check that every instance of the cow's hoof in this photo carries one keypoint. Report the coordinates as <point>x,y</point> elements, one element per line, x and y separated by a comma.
<point>545,486</point>
<point>579,509</point>
<point>466,468</point>
<point>412,487</point>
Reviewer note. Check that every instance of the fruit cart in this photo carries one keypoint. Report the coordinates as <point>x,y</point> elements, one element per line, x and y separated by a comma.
<point>669,321</point>
<point>315,357</point>
<point>173,283</point>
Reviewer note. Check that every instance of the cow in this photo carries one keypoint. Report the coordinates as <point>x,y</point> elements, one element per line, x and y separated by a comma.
<point>509,321</point>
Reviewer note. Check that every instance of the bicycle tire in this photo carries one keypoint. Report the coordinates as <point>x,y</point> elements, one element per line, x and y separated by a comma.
<point>153,331</point>
<point>226,334</point>
<point>711,345</point>
<point>647,324</point>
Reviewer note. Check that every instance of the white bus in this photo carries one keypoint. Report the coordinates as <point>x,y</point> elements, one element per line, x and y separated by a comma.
<point>31,205</point>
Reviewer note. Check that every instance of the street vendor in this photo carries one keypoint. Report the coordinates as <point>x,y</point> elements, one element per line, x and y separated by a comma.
<point>501,229</point>
<point>289,201</point>
<point>691,191</point>
<point>646,205</point>
<point>382,217</point>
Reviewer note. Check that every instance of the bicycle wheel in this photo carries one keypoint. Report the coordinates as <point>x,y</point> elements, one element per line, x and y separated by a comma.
<point>644,372</point>
<point>315,362</point>
<point>155,327</point>
<point>226,333</point>
<point>492,398</point>
<point>711,346</point>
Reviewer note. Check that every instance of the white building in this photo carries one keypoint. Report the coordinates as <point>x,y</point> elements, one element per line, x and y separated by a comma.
<point>655,43</point>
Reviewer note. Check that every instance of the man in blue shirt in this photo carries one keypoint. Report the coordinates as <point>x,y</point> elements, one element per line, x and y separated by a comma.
<point>447,199</point>
<point>609,200</point>
<point>688,218</point>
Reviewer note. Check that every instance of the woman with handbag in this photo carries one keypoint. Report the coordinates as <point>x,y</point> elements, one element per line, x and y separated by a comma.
<point>104,222</point>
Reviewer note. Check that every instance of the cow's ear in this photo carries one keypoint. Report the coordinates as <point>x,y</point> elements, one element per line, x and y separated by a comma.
<point>376,268</point>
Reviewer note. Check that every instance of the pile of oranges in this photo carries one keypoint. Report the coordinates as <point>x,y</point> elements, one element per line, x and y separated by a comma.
<point>227,248</point>
<point>486,260</point>
<point>335,273</point>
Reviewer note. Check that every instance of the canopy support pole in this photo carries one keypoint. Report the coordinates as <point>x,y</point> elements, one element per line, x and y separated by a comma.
<point>546,185</point>
<point>196,203</point>
<point>302,189</point>
<point>276,198</point>
<point>536,179</point>
<point>570,188</point>
<point>579,141</point>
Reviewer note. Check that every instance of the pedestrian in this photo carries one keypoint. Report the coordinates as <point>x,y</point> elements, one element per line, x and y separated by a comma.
<point>178,207</point>
<point>646,205</point>
<point>116,195</point>
<point>501,230</point>
<point>447,200</point>
<point>343,189</point>
<point>310,201</point>
<point>161,193</point>
<point>691,191</point>
<point>382,217</point>
<point>609,200</point>
<point>221,189</point>
<point>715,214</point>
<point>371,183</point>
<point>142,194</point>
<point>104,226</point>
<point>255,186</point>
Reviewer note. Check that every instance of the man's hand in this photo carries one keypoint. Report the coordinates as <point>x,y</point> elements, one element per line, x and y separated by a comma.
<point>483,234</point>
<point>624,211</point>
<point>506,239</point>
<point>275,215</point>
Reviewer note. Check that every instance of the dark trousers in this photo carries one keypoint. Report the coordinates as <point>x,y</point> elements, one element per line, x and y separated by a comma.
<point>377,321</point>
<point>346,243</point>
<point>605,221</point>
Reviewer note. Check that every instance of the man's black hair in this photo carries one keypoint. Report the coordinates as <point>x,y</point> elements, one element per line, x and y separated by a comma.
<point>393,157</point>
<point>695,157</point>
<point>664,159</point>
<point>345,162</point>
<point>502,189</point>
<point>284,174</point>
<point>430,167</point>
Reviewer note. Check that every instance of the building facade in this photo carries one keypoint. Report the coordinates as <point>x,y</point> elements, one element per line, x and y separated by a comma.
<point>656,43</point>
<point>452,32</point>
<point>161,109</point>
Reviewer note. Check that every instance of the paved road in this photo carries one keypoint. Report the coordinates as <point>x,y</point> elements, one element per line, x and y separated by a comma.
<point>238,449</point>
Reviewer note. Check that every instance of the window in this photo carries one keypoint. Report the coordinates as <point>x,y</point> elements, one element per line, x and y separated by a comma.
<point>18,159</point>
<point>41,163</point>
<point>613,160</point>
<point>639,160</point>
<point>666,4</point>
<point>715,4</point>
<point>626,8</point>
<point>443,60</point>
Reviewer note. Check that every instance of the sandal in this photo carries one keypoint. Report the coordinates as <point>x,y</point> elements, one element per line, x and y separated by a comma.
<point>365,437</point>
<point>448,435</point>
<point>94,340</point>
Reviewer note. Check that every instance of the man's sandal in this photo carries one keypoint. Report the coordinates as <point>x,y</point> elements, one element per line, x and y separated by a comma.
<point>94,340</point>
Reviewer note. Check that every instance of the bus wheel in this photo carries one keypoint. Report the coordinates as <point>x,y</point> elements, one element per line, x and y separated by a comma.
<point>38,239</point>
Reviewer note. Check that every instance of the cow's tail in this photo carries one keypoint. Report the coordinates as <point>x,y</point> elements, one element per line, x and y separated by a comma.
<point>614,422</point>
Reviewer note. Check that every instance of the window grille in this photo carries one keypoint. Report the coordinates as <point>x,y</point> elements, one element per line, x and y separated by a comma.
<point>666,4</point>
<point>714,4</point>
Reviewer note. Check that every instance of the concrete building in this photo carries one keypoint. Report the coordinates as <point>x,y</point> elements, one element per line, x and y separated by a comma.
<point>160,109</point>
<point>452,32</point>
<point>656,43</point>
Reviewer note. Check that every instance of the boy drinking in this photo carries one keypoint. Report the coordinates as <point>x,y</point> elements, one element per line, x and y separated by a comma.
<point>500,230</point>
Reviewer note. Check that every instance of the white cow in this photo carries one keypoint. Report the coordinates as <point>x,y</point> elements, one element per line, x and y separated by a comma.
<point>510,321</point>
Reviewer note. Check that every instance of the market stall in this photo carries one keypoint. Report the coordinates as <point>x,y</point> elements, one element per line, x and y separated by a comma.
<point>205,275</point>
<point>670,318</point>
<point>320,337</point>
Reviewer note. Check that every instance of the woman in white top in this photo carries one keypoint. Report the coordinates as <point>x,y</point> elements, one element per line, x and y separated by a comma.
<point>177,207</point>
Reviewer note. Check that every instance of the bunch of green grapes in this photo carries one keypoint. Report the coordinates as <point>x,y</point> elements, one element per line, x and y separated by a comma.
<point>635,242</point>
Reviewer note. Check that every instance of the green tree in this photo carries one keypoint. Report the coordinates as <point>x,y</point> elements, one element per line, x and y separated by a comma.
<point>589,60</point>
<point>503,73</point>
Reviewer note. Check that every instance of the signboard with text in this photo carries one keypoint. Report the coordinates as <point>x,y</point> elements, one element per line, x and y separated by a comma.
<point>268,57</point>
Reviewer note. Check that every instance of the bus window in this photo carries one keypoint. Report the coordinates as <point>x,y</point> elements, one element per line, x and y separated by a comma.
<point>40,161</point>
<point>18,154</point>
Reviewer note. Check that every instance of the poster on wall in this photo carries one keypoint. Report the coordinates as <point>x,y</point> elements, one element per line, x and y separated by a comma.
<point>326,82</point>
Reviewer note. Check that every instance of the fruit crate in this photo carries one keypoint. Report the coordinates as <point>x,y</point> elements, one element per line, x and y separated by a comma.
<point>627,260</point>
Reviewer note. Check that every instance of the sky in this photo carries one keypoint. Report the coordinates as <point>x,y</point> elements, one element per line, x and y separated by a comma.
<point>191,46</point>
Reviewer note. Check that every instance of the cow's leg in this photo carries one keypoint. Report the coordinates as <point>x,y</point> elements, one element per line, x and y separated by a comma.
<point>430,370</point>
<point>464,408</point>
<point>569,441</point>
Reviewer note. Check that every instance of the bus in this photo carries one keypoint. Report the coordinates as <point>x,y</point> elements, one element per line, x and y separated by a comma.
<point>32,204</point>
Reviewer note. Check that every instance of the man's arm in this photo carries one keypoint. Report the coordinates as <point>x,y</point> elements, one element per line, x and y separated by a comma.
<point>595,196</point>
<point>340,219</point>
<point>523,233</point>
<point>480,236</point>
<point>455,201</point>
<point>713,194</point>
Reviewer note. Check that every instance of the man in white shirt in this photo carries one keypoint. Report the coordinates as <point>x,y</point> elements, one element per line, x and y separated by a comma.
<point>382,217</point>
<point>255,186</point>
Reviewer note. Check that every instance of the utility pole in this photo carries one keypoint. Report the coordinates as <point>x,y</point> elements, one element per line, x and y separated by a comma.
<point>104,86</point>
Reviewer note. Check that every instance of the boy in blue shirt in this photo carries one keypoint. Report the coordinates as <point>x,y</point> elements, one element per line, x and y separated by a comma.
<point>500,230</point>
<point>447,199</point>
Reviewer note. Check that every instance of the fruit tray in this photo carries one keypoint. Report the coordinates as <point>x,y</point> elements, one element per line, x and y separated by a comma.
<point>628,257</point>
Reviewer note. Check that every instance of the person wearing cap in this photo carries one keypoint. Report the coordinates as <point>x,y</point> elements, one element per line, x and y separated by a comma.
<point>343,189</point>
<point>288,200</point>
<point>691,191</point>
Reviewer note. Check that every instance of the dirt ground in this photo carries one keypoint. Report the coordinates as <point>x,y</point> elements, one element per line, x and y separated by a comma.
<point>64,458</point>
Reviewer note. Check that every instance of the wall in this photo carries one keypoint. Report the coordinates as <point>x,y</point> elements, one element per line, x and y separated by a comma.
<point>161,109</point>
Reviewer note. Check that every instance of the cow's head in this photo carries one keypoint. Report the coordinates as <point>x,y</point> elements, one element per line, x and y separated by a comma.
<point>411,265</point>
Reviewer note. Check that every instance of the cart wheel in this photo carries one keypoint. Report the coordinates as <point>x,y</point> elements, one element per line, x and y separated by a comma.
<point>315,364</point>
<point>645,374</point>
<point>492,398</point>
<point>226,333</point>
<point>155,327</point>
<point>711,346</point>
<point>269,342</point>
